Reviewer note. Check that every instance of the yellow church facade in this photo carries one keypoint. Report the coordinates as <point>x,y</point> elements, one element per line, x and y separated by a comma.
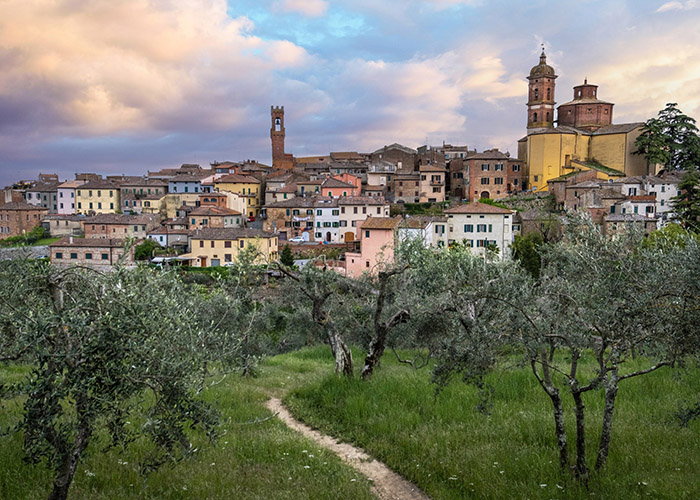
<point>584,139</point>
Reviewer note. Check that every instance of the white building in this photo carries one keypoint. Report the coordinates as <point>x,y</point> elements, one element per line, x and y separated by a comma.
<point>355,209</point>
<point>66,197</point>
<point>479,225</point>
<point>430,230</point>
<point>327,221</point>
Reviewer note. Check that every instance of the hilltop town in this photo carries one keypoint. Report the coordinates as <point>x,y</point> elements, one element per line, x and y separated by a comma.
<point>361,203</point>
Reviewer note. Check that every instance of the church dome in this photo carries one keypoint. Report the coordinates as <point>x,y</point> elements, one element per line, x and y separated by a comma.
<point>542,69</point>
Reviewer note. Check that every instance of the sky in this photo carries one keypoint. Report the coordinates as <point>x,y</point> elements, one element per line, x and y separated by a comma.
<point>135,85</point>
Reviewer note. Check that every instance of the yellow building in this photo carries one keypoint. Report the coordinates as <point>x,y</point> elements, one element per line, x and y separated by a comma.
<point>212,247</point>
<point>246,187</point>
<point>585,138</point>
<point>97,196</point>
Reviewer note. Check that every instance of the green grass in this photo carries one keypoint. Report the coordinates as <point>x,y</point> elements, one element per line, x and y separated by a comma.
<point>440,442</point>
<point>452,451</point>
<point>249,461</point>
<point>45,241</point>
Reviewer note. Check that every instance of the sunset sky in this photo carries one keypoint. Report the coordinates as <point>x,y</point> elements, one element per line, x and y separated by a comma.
<point>131,85</point>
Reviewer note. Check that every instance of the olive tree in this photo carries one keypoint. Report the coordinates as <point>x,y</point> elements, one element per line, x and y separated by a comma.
<point>317,293</point>
<point>104,350</point>
<point>606,298</point>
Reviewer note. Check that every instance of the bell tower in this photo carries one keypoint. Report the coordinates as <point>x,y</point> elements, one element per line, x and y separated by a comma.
<point>277,135</point>
<point>540,102</point>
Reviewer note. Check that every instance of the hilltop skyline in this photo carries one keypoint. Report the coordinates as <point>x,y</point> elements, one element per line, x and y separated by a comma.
<point>133,86</point>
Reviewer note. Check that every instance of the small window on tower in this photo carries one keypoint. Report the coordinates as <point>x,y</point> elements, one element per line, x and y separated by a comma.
<point>537,94</point>
<point>535,118</point>
<point>278,124</point>
<point>548,94</point>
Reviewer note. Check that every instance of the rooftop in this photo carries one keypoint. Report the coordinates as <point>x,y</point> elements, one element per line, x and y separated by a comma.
<point>478,208</point>
<point>231,233</point>
<point>381,222</point>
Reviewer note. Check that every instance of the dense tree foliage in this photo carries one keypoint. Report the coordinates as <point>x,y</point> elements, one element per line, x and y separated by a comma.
<point>144,251</point>
<point>670,140</point>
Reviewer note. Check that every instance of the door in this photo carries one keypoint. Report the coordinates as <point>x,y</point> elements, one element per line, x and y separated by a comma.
<point>485,194</point>
<point>349,236</point>
<point>328,236</point>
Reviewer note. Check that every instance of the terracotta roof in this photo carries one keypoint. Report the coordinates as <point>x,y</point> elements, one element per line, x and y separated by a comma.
<point>346,155</point>
<point>398,146</point>
<point>305,202</point>
<point>43,187</point>
<point>122,219</point>
<point>237,179</point>
<point>490,154</point>
<point>421,221</point>
<point>335,183</point>
<point>477,208</point>
<point>381,222</point>
<point>70,184</point>
<point>20,205</point>
<point>72,218</point>
<point>287,188</point>
<point>89,242</point>
<point>585,184</point>
<point>432,168</point>
<point>213,211</point>
<point>99,184</point>
<point>230,233</point>
<point>645,198</point>
<point>617,129</point>
<point>584,100</point>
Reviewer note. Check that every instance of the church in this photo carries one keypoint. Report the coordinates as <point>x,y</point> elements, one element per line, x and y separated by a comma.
<point>581,137</point>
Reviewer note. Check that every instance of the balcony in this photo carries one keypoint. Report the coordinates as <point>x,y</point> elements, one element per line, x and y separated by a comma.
<point>437,183</point>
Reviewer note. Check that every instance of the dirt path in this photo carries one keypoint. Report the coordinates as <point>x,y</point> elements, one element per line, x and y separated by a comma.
<point>387,484</point>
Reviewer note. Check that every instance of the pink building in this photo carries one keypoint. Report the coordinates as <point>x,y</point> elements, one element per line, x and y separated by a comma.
<point>377,236</point>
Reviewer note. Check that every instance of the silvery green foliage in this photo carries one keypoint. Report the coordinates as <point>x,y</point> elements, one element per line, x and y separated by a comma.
<point>606,298</point>
<point>114,351</point>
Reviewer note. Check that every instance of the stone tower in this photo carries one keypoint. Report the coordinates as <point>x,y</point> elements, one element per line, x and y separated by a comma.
<point>540,102</point>
<point>280,159</point>
<point>277,135</point>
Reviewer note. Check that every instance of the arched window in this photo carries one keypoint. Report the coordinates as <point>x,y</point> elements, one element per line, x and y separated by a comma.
<point>548,94</point>
<point>535,118</point>
<point>547,115</point>
<point>278,124</point>
<point>537,94</point>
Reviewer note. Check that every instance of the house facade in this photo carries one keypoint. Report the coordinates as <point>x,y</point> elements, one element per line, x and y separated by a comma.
<point>97,253</point>
<point>97,196</point>
<point>377,241</point>
<point>18,217</point>
<point>480,225</point>
<point>218,247</point>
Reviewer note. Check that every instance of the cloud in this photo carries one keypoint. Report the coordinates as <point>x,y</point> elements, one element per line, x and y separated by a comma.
<point>133,66</point>
<point>309,8</point>
<point>675,5</point>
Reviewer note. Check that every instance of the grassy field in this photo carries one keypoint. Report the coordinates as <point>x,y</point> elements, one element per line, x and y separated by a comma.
<point>441,443</point>
<point>249,461</point>
<point>452,451</point>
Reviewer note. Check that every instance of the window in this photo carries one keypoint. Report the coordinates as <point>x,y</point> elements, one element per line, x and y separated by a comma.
<point>498,166</point>
<point>227,256</point>
<point>468,228</point>
<point>227,244</point>
<point>366,263</point>
<point>498,180</point>
<point>515,182</point>
<point>336,212</point>
<point>536,178</point>
<point>485,167</point>
<point>242,243</point>
<point>364,210</point>
<point>484,180</point>
<point>481,228</point>
<point>366,234</point>
<point>59,255</point>
<point>88,256</point>
<point>319,212</point>
<point>317,235</point>
<point>73,255</point>
<point>516,168</point>
<point>99,205</point>
<point>201,243</point>
<point>612,209</point>
<point>379,210</point>
<point>342,210</point>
